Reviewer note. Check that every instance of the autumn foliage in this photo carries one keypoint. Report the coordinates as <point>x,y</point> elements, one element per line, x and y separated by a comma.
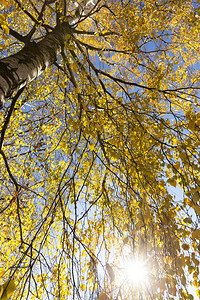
<point>99,149</point>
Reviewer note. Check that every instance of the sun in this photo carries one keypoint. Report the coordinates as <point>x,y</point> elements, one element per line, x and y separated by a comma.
<point>136,271</point>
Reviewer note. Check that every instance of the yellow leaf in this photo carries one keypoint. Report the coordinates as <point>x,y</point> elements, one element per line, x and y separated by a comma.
<point>187,220</point>
<point>92,147</point>
<point>196,196</point>
<point>5,3</point>
<point>197,209</point>
<point>76,90</point>
<point>110,272</point>
<point>190,269</point>
<point>83,287</point>
<point>1,290</point>
<point>198,293</point>
<point>172,182</point>
<point>114,155</point>
<point>196,283</point>
<point>103,296</point>
<point>125,240</point>
<point>189,202</point>
<point>186,247</point>
<point>196,234</point>
<point>5,28</point>
<point>63,145</point>
<point>172,290</point>
<point>7,289</point>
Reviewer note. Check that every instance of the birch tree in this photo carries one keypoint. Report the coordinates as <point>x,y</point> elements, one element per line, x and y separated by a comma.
<point>99,149</point>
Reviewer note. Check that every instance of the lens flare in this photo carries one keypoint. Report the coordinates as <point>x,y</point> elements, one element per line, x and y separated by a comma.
<point>136,272</point>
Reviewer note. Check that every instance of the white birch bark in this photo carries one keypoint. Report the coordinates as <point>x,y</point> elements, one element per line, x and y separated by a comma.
<point>19,69</point>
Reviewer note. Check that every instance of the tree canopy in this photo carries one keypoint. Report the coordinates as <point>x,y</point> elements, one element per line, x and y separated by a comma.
<point>99,149</point>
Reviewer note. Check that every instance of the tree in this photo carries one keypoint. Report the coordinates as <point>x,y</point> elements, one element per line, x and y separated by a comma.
<point>99,148</point>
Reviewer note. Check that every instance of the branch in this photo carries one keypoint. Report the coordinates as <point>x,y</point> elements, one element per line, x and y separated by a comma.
<point>93,48</point>
<point>79,12</point>
<point>5,125</point>
<point>17,192</point>
<point>15,34</point>
<point>26,12</point>
<point>85,32</point>
<point>27,38</point>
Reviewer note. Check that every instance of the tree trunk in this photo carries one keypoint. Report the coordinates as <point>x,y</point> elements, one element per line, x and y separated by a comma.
<point>21,68</point>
